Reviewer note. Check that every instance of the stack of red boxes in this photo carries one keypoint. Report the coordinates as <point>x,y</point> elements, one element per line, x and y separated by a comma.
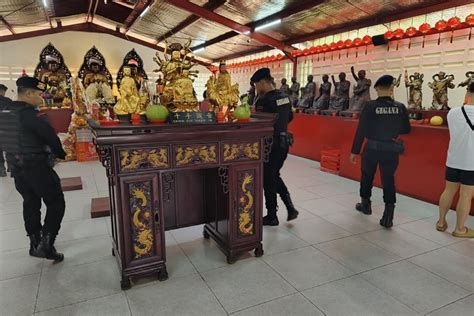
<point>330,160</point>
<point>85,149</point>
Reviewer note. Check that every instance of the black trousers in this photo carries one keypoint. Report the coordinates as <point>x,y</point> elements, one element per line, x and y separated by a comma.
<point>34,184</point>
<point>388,163</point>
<point>272,181</point>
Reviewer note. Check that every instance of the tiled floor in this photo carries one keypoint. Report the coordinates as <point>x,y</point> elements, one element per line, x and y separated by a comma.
<point>330,261</point>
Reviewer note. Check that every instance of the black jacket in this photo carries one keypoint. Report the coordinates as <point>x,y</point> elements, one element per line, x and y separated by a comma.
<point>4,102</point>
<point>383,120</point>
<point>278,102</point>
<point>36,135</point>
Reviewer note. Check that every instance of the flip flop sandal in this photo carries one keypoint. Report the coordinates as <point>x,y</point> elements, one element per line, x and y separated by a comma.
<point>468,234</point>
<point>441,228</point>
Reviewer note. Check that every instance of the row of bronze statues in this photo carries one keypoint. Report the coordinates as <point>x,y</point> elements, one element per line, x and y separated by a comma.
<point>341,101</point>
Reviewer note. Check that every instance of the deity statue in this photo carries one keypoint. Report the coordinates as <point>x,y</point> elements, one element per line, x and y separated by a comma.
<point>134,61</point>
<point>440,85</point>
<point>94,70</point>
<point>414,83</point>
<point>307,95</point>
<point>221,92</point>
<point>178,93</point>
<point>467,82</point>
<point>52,70</point>
<point>340,100</point>
<point>100,92</point>
<point>361,91</point>
<point>322,102</point>
<point>129,101</point>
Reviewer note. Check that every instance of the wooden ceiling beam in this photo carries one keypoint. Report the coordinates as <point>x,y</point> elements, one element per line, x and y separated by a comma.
<point>210,5</point>
<point>217,18</point>
<point>139,8</point>
<point>8,25</point>
<point>301,6</point>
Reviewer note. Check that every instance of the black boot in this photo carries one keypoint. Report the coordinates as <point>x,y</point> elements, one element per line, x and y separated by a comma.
<point>387,218</point>
<point>292,212</point>
<point>46,247</point>
<point>365,207</point>
<point>35,240</point>
<point>271,219</point>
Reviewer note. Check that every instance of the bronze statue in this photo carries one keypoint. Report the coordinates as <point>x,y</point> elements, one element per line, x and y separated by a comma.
<point>178,93</point>
<point>414,83</point>
<point>440,88</point>
<point>468,81</point>
<point>94,69</point>
<point>307,95</point>
<point>361,91</point>
<point>221,92</point>
<point>322,102</point>
<point>340,101</point>
<point>52,70</point>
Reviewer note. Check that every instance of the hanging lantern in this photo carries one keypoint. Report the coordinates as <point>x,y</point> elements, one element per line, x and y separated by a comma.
<point>279,56</point>
<point>399,33</point>
<point>411,31</point>
<point>454,22</point>
<point>441,25</point>
<point>348,43</point>
<point>357,41</point>
<point>325,47</point>
<point>306,51</point>
<point>333,46</point>
<point>367,40</point>
<point>340,44</point>
<point>424,29</point>
<point>389,35</point>
<point>318,49</point>
<point>470,22</point>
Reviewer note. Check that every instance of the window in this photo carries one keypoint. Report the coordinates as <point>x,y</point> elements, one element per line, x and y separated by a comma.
<point>305,69</point>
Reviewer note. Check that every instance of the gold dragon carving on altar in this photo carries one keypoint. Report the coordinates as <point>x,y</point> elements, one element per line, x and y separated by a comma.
<point>239,151</point>
<point>195,154</point>
<point>246,202</point>
<point>143,236</point>
<point>143,158</point>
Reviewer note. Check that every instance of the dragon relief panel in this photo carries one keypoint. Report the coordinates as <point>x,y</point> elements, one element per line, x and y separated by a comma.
<point>246,205</point>
<point>147,158</point>
<point>195,154</point>
<point>241,151</point>
<point>142,219</point>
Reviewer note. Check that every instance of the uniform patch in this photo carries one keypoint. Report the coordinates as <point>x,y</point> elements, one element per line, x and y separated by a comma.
<point>387,110</point>
<point>283,101</point>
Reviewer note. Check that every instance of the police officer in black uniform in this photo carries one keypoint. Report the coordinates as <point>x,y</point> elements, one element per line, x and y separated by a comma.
<point>274,101</point>
<point>32,169</point>
<point>4,101</point>
<point>381,122</point>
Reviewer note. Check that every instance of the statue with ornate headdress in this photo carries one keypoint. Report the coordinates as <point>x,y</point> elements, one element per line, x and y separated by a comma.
<point>414,83</point>
<point>52,70</point>
<point>440,85</point>
<point>129,102</point>
<point>466,83</point>
<point>221,92</point>
<point>178,93</point>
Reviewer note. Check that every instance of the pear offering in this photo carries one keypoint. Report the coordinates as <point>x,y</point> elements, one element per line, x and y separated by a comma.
<point>243,113</point>
<point>157,113</point>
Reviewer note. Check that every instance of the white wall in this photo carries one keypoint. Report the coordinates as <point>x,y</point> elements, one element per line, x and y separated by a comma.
<point>24,54</point>
<point>453,58</point>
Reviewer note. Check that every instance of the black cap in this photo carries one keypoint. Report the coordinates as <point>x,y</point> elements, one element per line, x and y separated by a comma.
<point>262,73</point>
<point>3,87</point>
<point>385,80</point>
<point>31,83</point>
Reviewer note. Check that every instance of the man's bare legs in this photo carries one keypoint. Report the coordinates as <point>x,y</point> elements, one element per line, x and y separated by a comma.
<point>445,201</point>
<point>466,193</point>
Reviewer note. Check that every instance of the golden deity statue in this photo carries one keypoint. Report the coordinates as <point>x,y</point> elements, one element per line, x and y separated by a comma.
<point>129,102</point>
<point>221,92</point>
<point>178,93</point>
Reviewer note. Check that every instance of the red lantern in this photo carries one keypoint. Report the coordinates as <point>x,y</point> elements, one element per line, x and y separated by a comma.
<point>441,25</point>
<point>470,19</point>
<point>424,28</point>
<point>305,51</point>
<point>389,35</point>
<point>279,56</point>
<point>367,40</point>
<point>399,33</point>
<point>357,41</point>
<point>318,49</point>
<point>411,31</point>
<point>454,22</point>
<point>348,43</point>
<point>333,46</point>
<point>325,47</point>
<point>312,50</point>
<point>340,44</point>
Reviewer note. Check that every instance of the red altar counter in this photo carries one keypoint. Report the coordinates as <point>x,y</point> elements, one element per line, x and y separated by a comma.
<point>59,118</point>
<point>422,167</point>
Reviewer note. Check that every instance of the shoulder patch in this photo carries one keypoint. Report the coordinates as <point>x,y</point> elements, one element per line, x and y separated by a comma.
<point>283,101</point>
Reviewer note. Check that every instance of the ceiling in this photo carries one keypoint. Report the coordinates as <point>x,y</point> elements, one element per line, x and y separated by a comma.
<point>219,25</point>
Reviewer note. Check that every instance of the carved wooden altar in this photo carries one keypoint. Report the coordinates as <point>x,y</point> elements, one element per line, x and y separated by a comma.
<point>164,177</point>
